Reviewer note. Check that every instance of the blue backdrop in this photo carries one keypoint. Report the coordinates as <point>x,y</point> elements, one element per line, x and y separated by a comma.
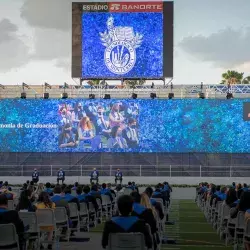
<point>149,56</point>
<point>214,126</point>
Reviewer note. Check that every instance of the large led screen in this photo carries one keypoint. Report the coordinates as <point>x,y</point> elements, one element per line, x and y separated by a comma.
<point>213,126</point>
<point>122,40</point>
<point>122,45</point>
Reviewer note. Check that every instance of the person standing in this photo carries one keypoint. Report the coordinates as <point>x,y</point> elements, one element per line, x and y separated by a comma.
<point>60,176</point>
<point>118,176</point>
<point>94,176</point>
<point>35,176</point>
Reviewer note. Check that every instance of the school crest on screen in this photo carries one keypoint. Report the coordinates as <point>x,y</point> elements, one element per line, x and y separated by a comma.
<point>121,44</point>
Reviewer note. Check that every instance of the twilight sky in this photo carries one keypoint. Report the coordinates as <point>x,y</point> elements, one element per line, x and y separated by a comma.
<point>210,37</point>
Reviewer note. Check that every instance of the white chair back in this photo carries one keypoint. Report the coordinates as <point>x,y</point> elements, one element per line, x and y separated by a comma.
<point>61,215</point>
<point>11,205</point>
<point>126,241</point>
<point>30,219</point>
<point>83,209</point>
<point>9,237</point>
<point>73,210</point>
<point>46,217</point>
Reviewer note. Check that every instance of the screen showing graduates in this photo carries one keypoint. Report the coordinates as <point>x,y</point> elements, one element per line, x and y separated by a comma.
<point>128,125</point>
<point>99,125</point>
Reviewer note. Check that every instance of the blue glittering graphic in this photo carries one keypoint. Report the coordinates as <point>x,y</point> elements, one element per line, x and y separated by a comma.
<point>212,126</point>
<point>148,54</point>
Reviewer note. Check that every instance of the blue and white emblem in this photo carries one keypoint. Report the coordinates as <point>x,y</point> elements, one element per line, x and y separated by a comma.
<point>121,44</point>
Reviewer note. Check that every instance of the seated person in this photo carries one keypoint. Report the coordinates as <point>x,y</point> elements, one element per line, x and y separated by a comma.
<point>157,205</point>
<point>25,203</point>
<point>59,200</point>
<point>70,198</point>
<point>245,187</point>
<point>109,187</point>
<point>222,196</point>
<point>143,213</point>
<point>105,191</point>
<point>130,186</point>
<point>126,223</point>
<point>48,189</point>
<point>94,176</point>
<point>231,198</point>
<point>243,205</point>
<point>75,186</point>
<point>7,217</point>
<point>158,194</point>
<point>95,193</point>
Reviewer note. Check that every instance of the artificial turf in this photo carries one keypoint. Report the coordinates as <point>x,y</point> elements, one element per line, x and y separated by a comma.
<point>191,230</point>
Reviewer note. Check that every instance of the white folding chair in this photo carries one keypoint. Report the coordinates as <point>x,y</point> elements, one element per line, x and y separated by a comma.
<point>30,219</point>
<point>11,205</point>
<point>92,213</point>
<point>225,213</point>
<point>9,237</point>
<point>239,229</point>
<point>62,221</point>
<point>126,241</point>
<point>107,206</point>
<point>246,238</point>
<point>99,211</point>
<point>74,216</point>
<point>84,216</point>
<point>47,222</point>
<point>230,226</point>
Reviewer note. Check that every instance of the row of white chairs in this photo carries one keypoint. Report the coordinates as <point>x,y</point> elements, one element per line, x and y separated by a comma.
<point>219,216</point>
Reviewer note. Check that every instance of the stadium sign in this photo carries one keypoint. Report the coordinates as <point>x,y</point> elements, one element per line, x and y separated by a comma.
<point>136,7</point>
<point>95,7</point>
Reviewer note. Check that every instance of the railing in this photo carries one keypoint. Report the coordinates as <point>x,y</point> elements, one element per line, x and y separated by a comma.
<point>130,170</point>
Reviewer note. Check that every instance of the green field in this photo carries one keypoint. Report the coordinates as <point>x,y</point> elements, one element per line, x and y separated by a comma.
<point>191,230</point>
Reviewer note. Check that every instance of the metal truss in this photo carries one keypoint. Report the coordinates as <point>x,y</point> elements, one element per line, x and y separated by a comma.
<point>120,91</point>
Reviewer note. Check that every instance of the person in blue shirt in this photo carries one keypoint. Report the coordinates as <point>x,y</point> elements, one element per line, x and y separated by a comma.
<point>245,187</point>
<point>222,196</point>
<point>105,191</point>
<point>125,223</point>
<point>48,189</point>
<point>94,176</point>
<point>118,176</point>
<point>130,186</point>
<point>35,176</point>
<point>75,186</point>
<point>60,176</point>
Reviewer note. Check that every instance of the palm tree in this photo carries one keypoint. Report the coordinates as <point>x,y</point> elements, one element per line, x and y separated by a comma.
<point>133,83</point>
<point>233,77</point>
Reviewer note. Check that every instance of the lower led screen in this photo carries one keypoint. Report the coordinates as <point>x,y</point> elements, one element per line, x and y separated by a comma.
<point>212,126</point>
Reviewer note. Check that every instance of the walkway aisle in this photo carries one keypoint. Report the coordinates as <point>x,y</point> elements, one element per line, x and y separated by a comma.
<point>191,230</point>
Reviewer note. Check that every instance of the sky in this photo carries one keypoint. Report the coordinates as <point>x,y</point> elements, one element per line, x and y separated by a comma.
<point>210,37</point>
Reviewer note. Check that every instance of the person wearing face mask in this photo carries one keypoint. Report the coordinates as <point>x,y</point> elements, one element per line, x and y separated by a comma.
<point>117,141</point>
<point>115,117</point>
<point>130,134</point>
<point>67,138</point>
<point>65,117</point>
<point>35,176</point>
<point>77,114</point>
<point>102,129</point>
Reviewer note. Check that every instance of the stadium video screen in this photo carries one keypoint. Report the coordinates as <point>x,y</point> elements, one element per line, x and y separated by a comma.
<point>122,40</point>
<point>212,126</point>
<point>122,45</point>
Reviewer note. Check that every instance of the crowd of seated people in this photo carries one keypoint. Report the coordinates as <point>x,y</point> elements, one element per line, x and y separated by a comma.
<point>134,211</point>
<point>236,197</point>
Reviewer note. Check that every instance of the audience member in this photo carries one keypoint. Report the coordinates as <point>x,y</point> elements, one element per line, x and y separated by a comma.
<point>125,223</point>
<point>11,216</point>
<point>25,203</point>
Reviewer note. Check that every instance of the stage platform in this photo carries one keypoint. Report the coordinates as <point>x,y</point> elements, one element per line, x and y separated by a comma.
<point>139,180</point>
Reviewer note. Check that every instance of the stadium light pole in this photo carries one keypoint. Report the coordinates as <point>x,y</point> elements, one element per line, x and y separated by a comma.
<point>171,94</point>
<point>201,94</point>
<point>23,94</point>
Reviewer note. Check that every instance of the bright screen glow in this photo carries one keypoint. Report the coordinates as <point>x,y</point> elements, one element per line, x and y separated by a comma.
<point>213,126</point>
<point>121,45</point>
